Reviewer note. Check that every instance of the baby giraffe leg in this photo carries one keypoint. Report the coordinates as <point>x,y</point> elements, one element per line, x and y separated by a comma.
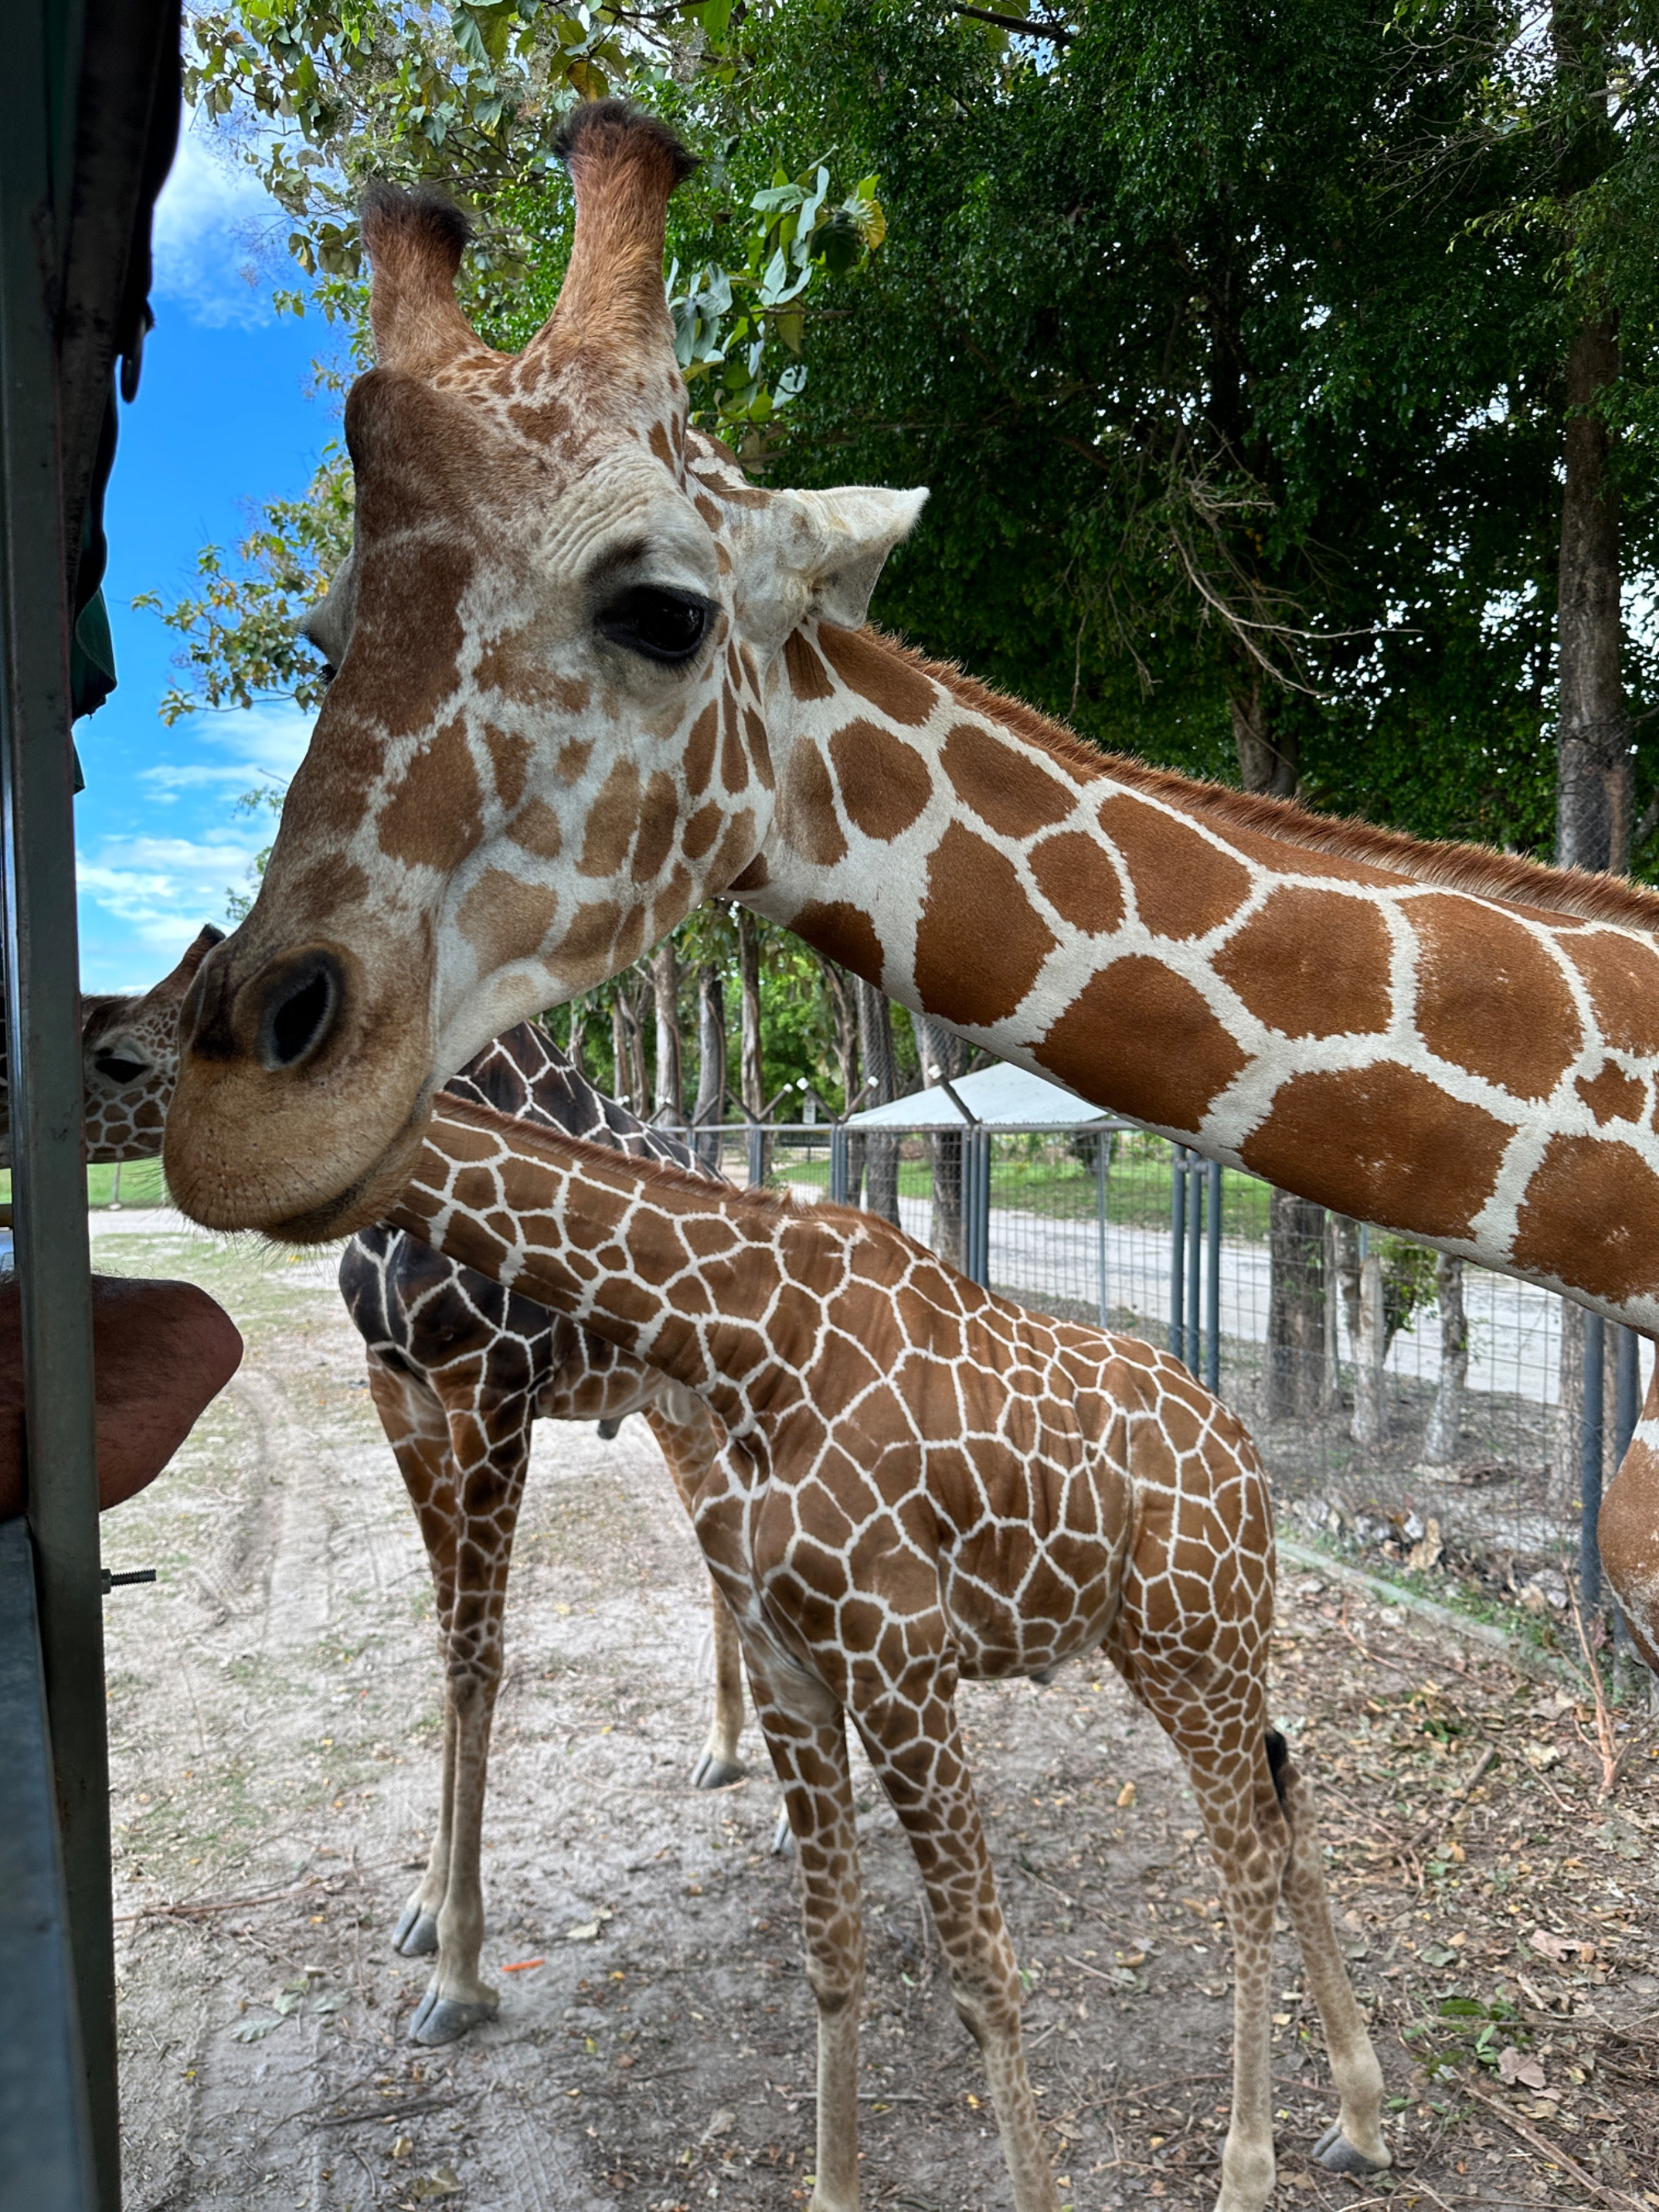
<point>917,1751</point>
<point>805,1732</point>
<point>1217,1731</point>
<point>685,1437</point>
<point>1353,2142</point>
<point>491,1445</point>
<point>719,1763</point>
<point>419,1437</point>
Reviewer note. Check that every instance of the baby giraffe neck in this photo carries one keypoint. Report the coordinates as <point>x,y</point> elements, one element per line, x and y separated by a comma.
<point>680,1272</point>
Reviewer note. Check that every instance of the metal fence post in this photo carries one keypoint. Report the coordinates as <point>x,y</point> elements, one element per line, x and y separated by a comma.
<point>1102,1150</point>
<point>1195,1258</point>
<point>1213,1282</point>
<point>1177,1250</point>
<point>838,1159</point>
<point>757,1155</point>
<point>1589,1464</point>
<point>976,1194</point>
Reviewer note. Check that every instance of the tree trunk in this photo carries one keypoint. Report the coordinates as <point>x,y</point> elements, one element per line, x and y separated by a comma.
<point>579,1010</point>
<point>751,1072</point>
<point>1369,1344</point>
<point>621,1074</point>
<point>844,1026</point>
<point>1595,776</point>
<point>668,1107</point>
<point>639,1085</point>
<point>1295,1231</point>
<point>944,1053</point>
<point>881,1162</point>
<point>710,1108</point>
<point>1268,752</point>
<point>1440,1438</point>
<point>1296,1306</point>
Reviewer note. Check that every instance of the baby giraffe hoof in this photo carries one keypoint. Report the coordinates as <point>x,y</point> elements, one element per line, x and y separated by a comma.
<point>446,2020</point>
<point>1336,2153</point>
<point>714,1772</point>
<point>415,1933</point>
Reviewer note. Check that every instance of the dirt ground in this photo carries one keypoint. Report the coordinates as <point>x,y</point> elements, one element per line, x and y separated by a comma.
<point>274,1707</point>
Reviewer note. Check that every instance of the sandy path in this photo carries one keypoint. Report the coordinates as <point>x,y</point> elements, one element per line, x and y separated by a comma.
<point>274,1707</point>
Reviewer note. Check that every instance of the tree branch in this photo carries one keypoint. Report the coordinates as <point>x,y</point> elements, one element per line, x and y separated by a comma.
<point>1056,33</point>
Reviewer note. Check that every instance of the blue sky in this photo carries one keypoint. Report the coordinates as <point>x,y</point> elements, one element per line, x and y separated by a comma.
<point>222,423</point>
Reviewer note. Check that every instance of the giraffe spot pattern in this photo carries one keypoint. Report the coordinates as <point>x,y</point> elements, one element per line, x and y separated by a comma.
<point>1152,1036</point>
<point>1613,1095</point>
<point>885,784</point>
<point>1490,998</point>
<point>1599,1200</point>
<point>980,944</point>
<point>1384,1142</point>
<point>1079,882</point>
<point>1184,885</point>
<point>1008,792</point>
<point>1311,964</point>
<point>892,687</point>
<point>434,815</point>
<point>1622,977</point>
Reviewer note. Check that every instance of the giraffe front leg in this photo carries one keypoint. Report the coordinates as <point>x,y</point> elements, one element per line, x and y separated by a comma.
<point>718,1765</point>
<point>914,1747</point>
<point>689,1438</point>
<point>419,1437</point>
<point>805,1732</point>
<point>489,1443</point>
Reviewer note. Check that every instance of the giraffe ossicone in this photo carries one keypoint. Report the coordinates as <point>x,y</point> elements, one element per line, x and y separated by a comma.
<point>921,1483</point>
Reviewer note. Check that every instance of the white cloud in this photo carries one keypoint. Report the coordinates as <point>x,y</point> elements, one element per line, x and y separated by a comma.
<point>216,233</point>
<point>163,889</point>
<point>268,741</point>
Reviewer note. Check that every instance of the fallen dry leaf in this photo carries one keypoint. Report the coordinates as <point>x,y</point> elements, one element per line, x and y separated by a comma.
<point>1513,2067</point>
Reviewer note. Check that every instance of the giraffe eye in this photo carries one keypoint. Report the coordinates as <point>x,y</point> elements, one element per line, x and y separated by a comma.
<point>658,624</point>
<point>118,1069</point>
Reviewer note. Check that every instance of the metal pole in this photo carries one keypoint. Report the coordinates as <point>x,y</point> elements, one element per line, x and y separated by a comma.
<point>757,1156</point>
<point>1627,1411</point>
<point>1589,1464</point>
<point>1195,1257</point>
<point>1177,1249</point>
<point>839,1152</point>
<point>976,1143</point>
<point>1102,1147</point>
<point>49,1189</point>
<point>1213,1282</point>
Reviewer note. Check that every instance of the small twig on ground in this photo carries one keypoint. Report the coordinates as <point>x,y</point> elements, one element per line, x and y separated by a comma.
<point>1613,1759</point>
<point>223,1904</point>
<point>382,2111</point>
<point>1553,2152</point>
<point>1438,1819</point>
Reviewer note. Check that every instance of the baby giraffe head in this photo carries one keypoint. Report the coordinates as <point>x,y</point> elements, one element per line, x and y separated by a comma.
<point>544,743</point>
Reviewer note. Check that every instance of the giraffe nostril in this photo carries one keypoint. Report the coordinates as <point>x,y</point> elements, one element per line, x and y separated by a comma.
<point>301,1005</point>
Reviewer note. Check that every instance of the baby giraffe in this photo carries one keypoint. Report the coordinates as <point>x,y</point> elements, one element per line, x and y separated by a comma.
<point>921,1483</point>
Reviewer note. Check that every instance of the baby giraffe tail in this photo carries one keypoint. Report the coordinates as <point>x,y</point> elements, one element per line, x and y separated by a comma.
<point>1353,2142</point>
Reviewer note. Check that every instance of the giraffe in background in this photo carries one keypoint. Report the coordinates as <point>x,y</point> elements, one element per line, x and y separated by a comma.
<point>588,676</point>
<point>459,1370</point>
<point>921,1483</point>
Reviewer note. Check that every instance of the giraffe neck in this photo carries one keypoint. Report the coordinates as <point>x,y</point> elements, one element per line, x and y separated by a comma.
<point>680,1272</point>
<point>1451,1043</point>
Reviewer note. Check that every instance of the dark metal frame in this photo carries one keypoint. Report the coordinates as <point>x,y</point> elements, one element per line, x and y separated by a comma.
<point>88,120</point>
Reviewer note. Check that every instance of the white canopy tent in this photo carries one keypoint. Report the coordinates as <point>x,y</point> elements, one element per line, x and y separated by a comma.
<point>1000,1097</point>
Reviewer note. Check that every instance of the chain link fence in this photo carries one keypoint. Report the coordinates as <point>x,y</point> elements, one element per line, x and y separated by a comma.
<point>1414,1412</point>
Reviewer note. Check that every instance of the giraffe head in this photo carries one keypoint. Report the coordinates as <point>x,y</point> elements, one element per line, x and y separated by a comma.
<point>129,1061</point>
<point>544,743</point>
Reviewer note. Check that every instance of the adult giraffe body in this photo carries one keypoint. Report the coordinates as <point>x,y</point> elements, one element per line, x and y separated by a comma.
<point>588,676</point>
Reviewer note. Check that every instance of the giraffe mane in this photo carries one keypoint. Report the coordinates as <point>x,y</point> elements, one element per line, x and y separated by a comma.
<point>1478,869</point>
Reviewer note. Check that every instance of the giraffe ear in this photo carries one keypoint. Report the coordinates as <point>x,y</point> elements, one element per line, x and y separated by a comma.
<point>847,535</point>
